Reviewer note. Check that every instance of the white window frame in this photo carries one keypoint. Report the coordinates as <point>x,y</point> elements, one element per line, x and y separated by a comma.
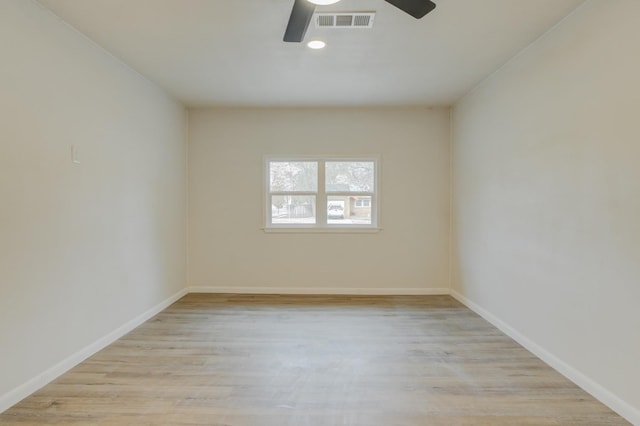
<point>321,195</point>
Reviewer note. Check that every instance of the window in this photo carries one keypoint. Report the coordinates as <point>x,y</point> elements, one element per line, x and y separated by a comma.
<point>321,193</point>
<point>363,202</point>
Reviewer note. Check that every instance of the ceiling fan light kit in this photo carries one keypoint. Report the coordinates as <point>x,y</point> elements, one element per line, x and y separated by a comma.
<point>316,44</point>
<point>303,10</point>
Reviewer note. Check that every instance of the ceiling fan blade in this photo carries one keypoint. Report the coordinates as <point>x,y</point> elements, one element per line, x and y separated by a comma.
<point>415,8</point>
<point>301,15</point>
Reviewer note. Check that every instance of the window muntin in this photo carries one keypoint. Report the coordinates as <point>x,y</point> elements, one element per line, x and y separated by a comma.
<point>321,193</point>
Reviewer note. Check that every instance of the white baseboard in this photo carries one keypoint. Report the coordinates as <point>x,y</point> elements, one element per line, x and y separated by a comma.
<point>16,395</point>
<point>324,291</point>
<point>599,392</point>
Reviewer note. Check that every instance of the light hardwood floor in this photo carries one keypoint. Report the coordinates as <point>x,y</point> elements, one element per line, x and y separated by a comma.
<point>313,360</point>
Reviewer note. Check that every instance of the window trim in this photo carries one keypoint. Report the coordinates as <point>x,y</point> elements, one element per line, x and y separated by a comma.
<point>321,195</point>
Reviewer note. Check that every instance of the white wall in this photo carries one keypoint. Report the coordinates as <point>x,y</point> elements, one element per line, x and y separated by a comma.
<point>84,248</point>
<point>227,247</point>
<point>547,198</point>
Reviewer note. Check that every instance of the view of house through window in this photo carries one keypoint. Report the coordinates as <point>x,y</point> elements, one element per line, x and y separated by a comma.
<point>321,193</point>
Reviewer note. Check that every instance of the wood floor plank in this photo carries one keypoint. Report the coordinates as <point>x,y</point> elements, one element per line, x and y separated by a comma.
<point>312,360</point>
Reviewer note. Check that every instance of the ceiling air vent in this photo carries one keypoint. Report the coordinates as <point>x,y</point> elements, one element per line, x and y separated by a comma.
<point>345,20</point>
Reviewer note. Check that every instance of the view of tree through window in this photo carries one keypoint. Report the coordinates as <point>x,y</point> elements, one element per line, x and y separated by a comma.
<point>293,176</point>
<point>350,176</point>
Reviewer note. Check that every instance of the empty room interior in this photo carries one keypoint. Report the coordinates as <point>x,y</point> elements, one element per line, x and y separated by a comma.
<point>288,212</point>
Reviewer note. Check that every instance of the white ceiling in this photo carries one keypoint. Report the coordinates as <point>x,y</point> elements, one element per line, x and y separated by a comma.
<point>230,52</point>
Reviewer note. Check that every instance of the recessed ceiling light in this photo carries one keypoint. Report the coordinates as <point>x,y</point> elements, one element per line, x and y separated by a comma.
<point>323,2</point>
<point>316,44</point>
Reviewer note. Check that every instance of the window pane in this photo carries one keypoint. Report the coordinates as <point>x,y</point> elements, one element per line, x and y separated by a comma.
<point>349,176</point>
<point>292,176</point>
<point>348,210</point>
<point>292,209</point>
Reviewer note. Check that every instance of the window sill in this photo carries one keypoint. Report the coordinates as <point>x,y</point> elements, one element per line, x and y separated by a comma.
<point>321,230</point>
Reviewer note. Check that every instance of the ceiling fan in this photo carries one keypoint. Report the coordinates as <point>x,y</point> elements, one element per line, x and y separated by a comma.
<point>303,10</point>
